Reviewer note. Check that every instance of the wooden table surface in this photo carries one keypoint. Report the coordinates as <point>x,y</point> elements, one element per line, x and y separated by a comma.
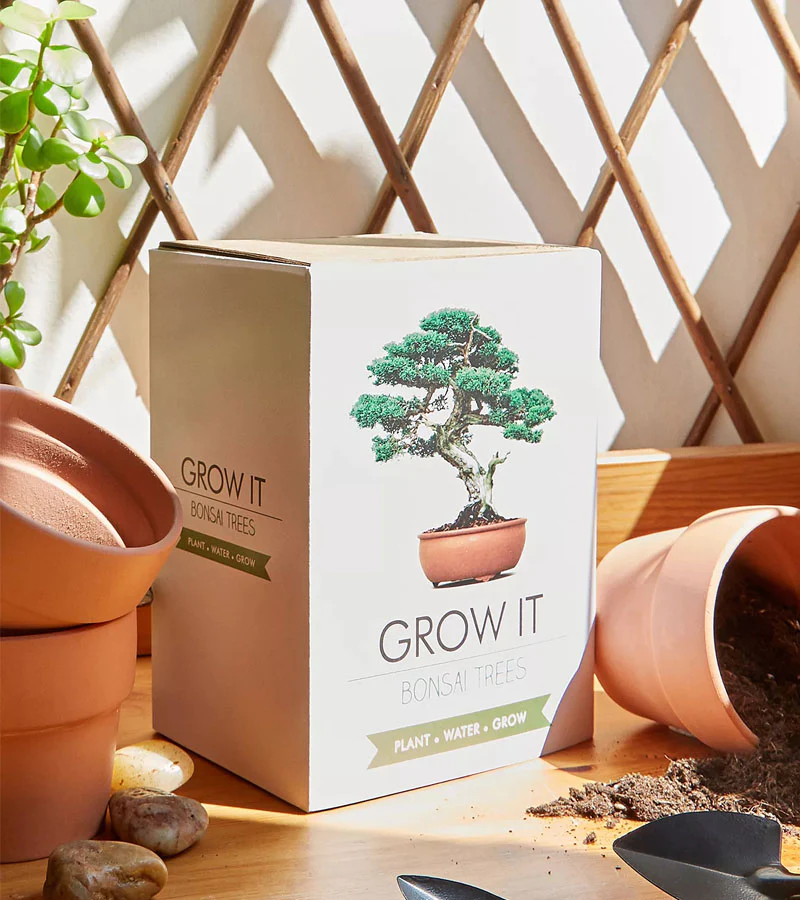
<point>473,829</point>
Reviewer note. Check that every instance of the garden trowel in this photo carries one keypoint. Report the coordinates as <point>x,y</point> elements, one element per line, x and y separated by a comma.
<point>425,887</point>
<point>711,856</point>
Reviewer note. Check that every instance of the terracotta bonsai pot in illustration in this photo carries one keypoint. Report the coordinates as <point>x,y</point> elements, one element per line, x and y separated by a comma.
<point>86,522</point>
<point>60,694</point>
<point>656,596</point>
<point>471,553</point>
<point>455,375</point>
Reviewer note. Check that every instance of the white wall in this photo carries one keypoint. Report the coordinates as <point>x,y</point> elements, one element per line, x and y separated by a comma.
<point>283,153</point>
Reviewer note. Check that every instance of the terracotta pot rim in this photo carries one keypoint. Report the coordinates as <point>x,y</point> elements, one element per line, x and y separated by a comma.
<point>718,571</point>
<point>169,539</point>
<point>54,634</point>
<point>460,532</point>
<point>757,516</point>
<point>53,679</point>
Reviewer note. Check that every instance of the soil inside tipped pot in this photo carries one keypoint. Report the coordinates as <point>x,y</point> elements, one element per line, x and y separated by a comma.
<point>758,649</point>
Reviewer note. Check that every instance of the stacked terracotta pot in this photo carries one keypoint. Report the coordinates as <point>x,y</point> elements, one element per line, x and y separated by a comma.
<point>85,525</point>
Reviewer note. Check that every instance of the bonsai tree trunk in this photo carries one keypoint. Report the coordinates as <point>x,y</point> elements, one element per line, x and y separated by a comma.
<point>479,481</point>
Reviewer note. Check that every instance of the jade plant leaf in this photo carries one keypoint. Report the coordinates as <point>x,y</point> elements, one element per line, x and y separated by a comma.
<point>36,242</point>
<point>118,174</point>
<point>32,151</point>
<point>70,9</point>
<point>45,197</point>
<point>27,333</point>
<point>127,148</point>
<point>12,350</point>
<point>101,130</point>
<point>30,56</point>
<point>5,254</point>
<point>51,99</point>
<point>24,18</point>
<point>84,198</point>
<point>91,164</point>
<point>14,112</point>
<point>15,297</point>
<point>29,11</point>
<point>12,221</point>
<point>79,126</point>
<point>57,151</point>
<point>10,67</point>
<point>66,65</point>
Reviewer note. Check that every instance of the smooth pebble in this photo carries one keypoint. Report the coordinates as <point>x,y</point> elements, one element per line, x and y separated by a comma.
<point>162,822</point>
<point>151,764</point>
<point>103,870</point>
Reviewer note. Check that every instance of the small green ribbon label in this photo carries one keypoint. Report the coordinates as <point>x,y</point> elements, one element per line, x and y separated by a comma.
<point>416,741</point>
<point>224,552</point>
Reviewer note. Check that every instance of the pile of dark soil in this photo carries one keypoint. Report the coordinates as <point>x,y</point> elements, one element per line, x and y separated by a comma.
<point>758,648</point>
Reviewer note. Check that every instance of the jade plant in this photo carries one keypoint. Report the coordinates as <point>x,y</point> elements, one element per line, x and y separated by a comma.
<point>54,156</point>
<point>463,375</point>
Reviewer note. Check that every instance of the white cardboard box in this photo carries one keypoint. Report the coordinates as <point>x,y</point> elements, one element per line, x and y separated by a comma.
<point>297,640</point>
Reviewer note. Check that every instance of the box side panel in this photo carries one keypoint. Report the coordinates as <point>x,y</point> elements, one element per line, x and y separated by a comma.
<point>229,426</point>
<point>411,683</point>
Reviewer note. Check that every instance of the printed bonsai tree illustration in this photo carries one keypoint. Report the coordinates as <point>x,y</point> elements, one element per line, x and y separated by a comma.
<point>464,376</point>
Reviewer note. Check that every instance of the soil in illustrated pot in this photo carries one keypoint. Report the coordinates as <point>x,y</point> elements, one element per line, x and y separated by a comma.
<point>758,649</point>
<point>472,516</point>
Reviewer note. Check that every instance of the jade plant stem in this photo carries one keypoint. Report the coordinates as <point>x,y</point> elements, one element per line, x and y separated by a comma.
<point>9,158</point>
<point>12,140</point>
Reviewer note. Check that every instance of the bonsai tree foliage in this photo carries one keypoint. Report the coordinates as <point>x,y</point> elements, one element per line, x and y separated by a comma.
<point>53,156</point>
<point>464,375</point>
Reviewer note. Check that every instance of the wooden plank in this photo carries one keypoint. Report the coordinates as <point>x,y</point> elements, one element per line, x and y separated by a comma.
<point>642,491</point>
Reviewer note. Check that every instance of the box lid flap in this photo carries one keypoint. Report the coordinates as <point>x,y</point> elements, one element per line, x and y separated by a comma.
<point>366,248</point>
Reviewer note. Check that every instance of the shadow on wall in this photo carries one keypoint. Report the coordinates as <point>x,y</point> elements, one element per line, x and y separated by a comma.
<point>760,201</point>
<point>158,118</point>
<point>752,196</point>
<point>313,194</point>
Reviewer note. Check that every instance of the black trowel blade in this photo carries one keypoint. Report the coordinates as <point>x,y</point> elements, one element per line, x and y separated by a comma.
<point>703,855</point>
<point>425,887</point>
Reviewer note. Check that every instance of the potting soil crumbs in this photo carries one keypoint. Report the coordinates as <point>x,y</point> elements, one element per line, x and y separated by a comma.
<point>758,648</point>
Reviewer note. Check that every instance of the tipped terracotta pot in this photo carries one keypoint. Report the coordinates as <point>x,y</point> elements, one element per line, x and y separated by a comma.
<point>480,553</point>
<point>60,694</point>
<point>86,522</point>
<point>656,595</point>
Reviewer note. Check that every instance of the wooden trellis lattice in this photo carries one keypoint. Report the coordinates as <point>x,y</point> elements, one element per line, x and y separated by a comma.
<point>158,174</point>
<point>398,158</point>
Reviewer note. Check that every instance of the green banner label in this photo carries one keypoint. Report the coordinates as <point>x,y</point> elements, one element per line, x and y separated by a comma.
<point>224,552</point>
<point>415,741</point>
